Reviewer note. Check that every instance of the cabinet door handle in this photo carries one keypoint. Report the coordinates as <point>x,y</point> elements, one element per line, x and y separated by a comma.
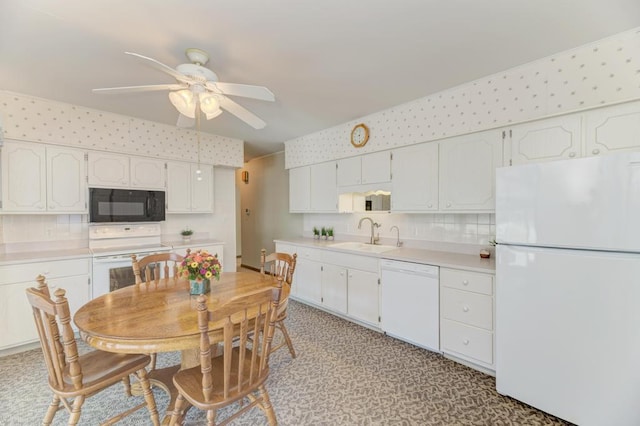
<point>595,151</point>
<point>465,282</point>
<point>429,205</point>
<point>465,309</point>
<point>448,204</point>
<point>572,154</point>
<point>465,342</point>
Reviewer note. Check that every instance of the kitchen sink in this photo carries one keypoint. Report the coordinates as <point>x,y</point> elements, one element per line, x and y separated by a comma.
<point>362,247</point>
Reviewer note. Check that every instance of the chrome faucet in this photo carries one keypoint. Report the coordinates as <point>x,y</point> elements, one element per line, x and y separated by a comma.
<point>398,242</point>
<point>373,239</point>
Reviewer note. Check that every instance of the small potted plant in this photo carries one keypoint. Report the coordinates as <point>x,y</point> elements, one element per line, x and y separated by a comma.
<point>316,233</point>
<point>330,234</point>
<point>186,234</point>
<point>323,233</point>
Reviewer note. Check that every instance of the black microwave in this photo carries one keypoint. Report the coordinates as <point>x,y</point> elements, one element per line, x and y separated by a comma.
<point>125,205</point>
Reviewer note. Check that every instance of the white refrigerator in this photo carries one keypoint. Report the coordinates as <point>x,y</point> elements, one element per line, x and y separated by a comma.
<point>568,287</point>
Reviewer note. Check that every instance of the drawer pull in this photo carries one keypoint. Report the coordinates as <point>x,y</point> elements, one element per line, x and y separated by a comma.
<point>465,282</point>
<point>465,309</point>
<point>465,341</point>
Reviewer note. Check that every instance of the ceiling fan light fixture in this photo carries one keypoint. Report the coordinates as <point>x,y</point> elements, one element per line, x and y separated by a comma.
<point>184,102</point>
<point>209,104</point>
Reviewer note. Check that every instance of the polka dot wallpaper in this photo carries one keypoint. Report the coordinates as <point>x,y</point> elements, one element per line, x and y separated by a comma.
<point>593,75</point>
<point>40,120</point>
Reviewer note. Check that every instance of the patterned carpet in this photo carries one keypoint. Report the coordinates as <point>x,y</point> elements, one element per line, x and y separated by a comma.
<point>344,375</point>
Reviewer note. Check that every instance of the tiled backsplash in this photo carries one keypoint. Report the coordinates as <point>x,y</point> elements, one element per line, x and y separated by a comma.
<point>465,232</point>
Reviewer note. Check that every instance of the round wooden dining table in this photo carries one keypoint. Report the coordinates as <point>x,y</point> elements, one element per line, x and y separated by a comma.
<point>160,317</point>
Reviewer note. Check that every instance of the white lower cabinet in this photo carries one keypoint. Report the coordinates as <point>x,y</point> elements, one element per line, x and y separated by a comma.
<point>334,288</point>
<point>467,316</point>
<point>363,296</point>
<point>16,317</point>
<point>307,281</point>
<point>339,282</point>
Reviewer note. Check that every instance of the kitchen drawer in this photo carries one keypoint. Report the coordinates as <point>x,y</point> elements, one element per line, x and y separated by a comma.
<point>286,248</point>
<point>27,272</point>
<point>309,253</point>
<point>467,307</point>
<point>351,261</point>
<point>471,342</point>
<point>465,280</point>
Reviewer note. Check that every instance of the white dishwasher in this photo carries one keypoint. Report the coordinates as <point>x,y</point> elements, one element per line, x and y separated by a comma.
<point>410,302</point>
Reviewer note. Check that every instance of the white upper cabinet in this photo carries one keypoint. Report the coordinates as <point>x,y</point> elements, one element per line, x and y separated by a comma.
<point>202,188</point>
<point>300,189</point>
<point>553,139</point>
<point>187,194</point>
<point>324,193</point>
<point>37,178</point>
<point>147,173</point>
<point>364,169</point>
<point>612,129</point>
<point>108,170</point>
<point>66,180</point>
<point>121,171</point>
<point>467,171</point>
<point>414,186</point>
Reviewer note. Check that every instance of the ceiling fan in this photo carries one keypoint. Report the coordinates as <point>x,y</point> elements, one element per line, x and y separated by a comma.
<point>197,89</point>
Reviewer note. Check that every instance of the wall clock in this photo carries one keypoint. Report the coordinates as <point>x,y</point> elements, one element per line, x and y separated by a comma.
<point>359,135</point>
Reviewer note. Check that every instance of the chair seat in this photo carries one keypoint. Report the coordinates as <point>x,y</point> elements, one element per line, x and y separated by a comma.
<point>189,382</point>
<point>100,369</point>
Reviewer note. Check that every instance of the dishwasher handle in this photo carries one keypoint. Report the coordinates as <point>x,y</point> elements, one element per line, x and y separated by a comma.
<point>409,268</point>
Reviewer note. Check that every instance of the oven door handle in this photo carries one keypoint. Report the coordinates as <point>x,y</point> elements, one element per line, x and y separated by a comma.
<point>111,259</point>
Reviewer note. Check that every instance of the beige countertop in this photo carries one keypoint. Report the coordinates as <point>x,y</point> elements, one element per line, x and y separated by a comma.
<point>445,259</point>
<point>51,254</point>
<point>43,256</point>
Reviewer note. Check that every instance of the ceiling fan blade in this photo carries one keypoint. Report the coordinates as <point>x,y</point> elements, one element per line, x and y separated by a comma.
<point>185,122</point>
<point>132,89</point>
<point>162,67</point>
<point>244,90</point>
<point>242,113</point>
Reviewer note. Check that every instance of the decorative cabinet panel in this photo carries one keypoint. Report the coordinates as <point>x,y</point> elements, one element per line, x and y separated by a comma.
<point>38,178</point>
<point>334,288</point>
<point>553,139</point>
<point>121,171</point>
<point>414,186</point>
<point>612,129</point>
<point>307,280</point>
<point>467,171</point>
<point>108,170</point>
<point>66,182</point>
<point>147,173</point>
<point>363,296</point>
<point>16,317</point>
<point>300,189</point>
<point>312,189</point>
<point>187,194</point>
<point>467,313</point>
<point>324,193</point>
<point>365,169</point>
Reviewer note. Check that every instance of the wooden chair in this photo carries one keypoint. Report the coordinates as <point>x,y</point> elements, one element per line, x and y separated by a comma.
<point>242,369</point>
<point>281,265</point>
<point>152,266</point>
<point>80,376</point>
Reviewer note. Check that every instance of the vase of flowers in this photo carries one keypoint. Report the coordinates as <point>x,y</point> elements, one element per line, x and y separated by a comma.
<point>200,267</point>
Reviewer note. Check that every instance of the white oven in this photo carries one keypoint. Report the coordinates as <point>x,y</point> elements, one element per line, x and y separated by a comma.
<point>113,271</point>
<point>112,247</point>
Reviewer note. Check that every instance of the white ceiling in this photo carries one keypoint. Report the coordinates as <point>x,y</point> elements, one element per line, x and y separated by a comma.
<point>328,62</point>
